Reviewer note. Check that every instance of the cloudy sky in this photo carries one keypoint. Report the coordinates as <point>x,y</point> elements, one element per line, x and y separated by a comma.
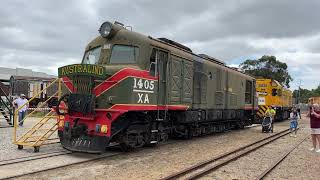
<point>43,35</point>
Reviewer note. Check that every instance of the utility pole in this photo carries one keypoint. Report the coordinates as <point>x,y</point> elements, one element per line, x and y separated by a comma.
<point>298,99</point>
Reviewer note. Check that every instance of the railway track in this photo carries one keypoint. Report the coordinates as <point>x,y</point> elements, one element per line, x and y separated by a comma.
<point>203,168</point>
<point>276,163</point>
<point>51,155</point>
<point>33,157</point>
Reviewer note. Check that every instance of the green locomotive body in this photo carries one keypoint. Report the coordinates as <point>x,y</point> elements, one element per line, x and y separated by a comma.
<point>136,90</point>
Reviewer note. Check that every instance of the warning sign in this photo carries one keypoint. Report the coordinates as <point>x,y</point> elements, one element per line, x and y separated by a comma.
<point>261,101</point>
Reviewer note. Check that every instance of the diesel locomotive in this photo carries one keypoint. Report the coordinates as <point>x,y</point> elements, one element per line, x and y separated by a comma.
<point>136,90</point>
<point>272,94</point>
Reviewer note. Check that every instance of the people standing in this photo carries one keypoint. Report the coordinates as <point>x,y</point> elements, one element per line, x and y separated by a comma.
<point>18,103</point>
<point>294,115</point>
<point>315,127</point>
<point>270,112</point>
<point>299,111</point>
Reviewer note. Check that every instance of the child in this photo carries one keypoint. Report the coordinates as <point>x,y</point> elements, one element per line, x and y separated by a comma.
<point>294,115</point>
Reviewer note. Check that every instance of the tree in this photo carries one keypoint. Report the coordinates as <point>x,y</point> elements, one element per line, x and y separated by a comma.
<point>267,67</point>
<point>305,94</point>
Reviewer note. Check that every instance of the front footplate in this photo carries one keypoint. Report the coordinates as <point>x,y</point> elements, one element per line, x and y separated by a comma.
<point>84,143</point>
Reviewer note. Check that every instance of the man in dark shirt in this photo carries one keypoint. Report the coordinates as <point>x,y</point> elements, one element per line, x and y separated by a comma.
<point>298,110</point>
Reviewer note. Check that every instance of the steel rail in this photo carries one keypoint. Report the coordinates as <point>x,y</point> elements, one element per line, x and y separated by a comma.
<point>70,164</point>
<point>275,164</point>
<point>207,162</point>
<point>31,158</point>
<point>62,166</point>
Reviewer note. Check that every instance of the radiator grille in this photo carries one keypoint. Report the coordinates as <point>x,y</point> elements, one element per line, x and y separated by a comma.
<point>233,99</point>
<point>219,98</point>
<point>83,84</point>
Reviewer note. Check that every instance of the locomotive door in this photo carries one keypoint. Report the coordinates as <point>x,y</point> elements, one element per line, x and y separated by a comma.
<point>162,59</point>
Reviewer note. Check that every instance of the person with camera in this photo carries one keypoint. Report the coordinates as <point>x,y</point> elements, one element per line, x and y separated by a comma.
<point>315,127</point>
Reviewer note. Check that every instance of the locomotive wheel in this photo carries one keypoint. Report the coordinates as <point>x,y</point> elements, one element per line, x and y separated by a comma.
<point>36,149</point>
<point>125,148</point>
<point>189,134</point>
<point>150,144</point>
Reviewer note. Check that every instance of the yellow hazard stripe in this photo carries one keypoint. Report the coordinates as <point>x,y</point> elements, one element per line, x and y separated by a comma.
<point>264,108</point>
<point>262,112</point>
<point>259,114</point>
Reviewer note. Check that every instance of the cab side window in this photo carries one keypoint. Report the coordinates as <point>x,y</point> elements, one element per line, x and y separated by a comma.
<point>274,92</point>
<point>153,62</point>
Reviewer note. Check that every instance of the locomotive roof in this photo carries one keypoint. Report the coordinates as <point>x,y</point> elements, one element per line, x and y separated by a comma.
<point>174,47</point>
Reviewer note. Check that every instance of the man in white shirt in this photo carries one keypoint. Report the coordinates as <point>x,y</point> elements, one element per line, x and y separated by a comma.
<point>19,103</point>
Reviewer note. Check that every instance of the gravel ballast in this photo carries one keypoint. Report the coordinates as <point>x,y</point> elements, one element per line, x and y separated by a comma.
<point>154,163</point>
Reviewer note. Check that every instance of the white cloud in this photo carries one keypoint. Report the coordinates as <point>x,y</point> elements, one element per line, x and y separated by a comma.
<point>46,34</point>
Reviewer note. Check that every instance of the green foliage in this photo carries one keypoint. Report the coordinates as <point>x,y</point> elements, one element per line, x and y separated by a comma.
<point>305,94</point>
<point>267,67</point>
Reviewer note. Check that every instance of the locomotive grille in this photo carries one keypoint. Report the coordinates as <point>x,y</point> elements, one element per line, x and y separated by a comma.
<point>83,84</point>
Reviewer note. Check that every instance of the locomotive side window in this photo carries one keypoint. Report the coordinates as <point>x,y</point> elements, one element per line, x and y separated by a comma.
<point>274,92</point>
<point>122,54</point>
<point>210,75</point>
<point>248,93</point>
<point>92,56</point>
<point>153,63</point>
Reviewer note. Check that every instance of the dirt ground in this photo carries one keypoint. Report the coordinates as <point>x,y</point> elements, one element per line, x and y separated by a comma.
<point>154,163</point>
<point>300,164</point>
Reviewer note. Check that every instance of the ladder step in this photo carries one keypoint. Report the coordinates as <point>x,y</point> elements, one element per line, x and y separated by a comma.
<point>41,130</point>
<point>51,116</point>
<point>38,137</point>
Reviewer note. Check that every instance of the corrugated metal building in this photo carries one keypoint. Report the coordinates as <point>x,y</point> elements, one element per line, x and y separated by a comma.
<point>6,73</point>
<point>26,81</point>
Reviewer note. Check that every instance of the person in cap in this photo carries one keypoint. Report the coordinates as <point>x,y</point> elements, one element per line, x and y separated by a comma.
<point>22,104</point>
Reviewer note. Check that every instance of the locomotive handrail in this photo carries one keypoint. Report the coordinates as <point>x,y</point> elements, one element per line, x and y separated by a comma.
<point>16,112</point>
<point>35,109</point>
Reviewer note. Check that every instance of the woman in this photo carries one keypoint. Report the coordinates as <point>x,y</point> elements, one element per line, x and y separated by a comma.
<point>315,126</point>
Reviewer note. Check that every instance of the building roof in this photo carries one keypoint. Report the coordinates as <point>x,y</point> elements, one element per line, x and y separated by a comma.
<point>6,73</point>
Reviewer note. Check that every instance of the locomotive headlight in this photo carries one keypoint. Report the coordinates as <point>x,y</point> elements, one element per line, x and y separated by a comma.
<point>104,129</point>
<point>105,29</point>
